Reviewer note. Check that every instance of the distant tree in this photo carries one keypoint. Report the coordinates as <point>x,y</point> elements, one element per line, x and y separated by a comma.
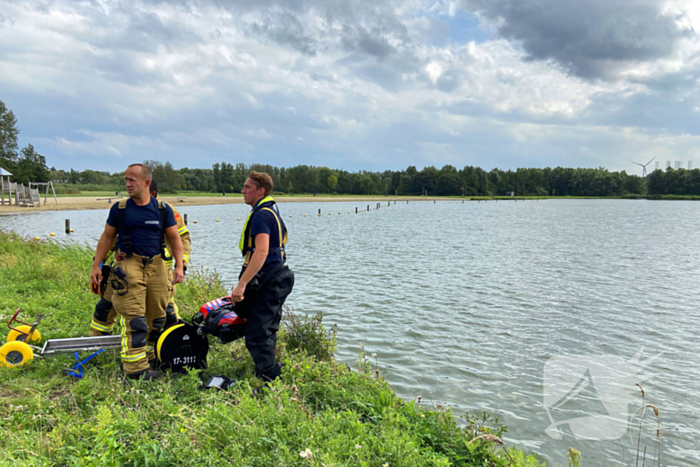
<point>167,177</point>
<point>323,173</point>
<point>484,185</point>
<point>241,171</point>
<point>656,182</point>
<point>426,179</point>
<point>449,184</point>
<point>216,170</point>
<point>469,181</point>
<point>694,182</point>
<point>228,178</point>
<point>395,182</point>
<point>8,138</point>
<point>332,182</point>
<point>301,177</point>
<point>633,184</point>
<point>675,181</point>
<point>31,167</point>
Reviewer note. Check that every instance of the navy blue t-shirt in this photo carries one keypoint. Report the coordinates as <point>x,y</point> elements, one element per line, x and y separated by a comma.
<point>264,222</point>
<point>143,223</point>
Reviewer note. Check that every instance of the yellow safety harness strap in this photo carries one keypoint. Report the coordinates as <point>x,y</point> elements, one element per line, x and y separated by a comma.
<point>281,234</point>
<point>279,230</point>
<point>241,243</point>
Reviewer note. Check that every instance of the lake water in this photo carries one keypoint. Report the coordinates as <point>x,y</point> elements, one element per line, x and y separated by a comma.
<point>497,306</point>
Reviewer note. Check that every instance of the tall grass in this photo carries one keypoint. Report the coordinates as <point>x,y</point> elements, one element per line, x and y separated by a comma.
<point>319,413</point>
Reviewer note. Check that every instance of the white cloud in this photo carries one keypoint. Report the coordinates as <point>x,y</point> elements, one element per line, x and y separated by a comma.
<point>161,80</point>
<point>99,143</point>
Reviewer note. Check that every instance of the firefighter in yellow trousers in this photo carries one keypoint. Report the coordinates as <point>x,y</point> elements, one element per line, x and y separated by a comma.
<point>139,280</point>
<point>105,316</point>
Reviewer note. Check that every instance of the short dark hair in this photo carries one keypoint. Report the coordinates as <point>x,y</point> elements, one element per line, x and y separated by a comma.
<point>153,187</point>
<point>261,180</point>
<point>145,171</point>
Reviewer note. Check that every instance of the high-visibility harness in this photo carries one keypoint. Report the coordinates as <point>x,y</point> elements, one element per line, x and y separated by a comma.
<point>170,261</point>
<point>247,243</point>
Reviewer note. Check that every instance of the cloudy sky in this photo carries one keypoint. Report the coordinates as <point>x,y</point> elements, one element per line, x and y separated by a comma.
<point>357,84</point>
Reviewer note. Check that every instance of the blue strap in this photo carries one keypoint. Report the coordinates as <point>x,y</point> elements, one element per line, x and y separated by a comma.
<point>77,370</point>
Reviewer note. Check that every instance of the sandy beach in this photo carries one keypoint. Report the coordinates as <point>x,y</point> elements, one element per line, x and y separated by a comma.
<point>90,202</point>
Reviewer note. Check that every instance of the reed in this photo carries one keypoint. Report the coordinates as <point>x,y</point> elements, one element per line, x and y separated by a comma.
<point>641,422</point>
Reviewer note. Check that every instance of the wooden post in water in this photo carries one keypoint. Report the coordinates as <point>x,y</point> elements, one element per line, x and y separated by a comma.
<point>368,207</point>
<point>185,219</point>
<point>319,212</point>
<point>68,226</point>
<point>355,209</point>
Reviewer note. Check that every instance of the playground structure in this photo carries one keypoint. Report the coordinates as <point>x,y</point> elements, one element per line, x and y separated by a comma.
<point>26,196</point>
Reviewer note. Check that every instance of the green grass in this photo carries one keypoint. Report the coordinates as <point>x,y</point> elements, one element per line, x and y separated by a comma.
<point>343,416</point>
<point>204,194</point>
<point>82,194</point>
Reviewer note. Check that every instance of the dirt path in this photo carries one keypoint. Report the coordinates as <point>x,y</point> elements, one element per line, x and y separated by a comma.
<point>89,202</point>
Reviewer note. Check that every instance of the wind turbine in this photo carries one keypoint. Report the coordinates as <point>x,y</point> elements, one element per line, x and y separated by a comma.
<point>644,166</point>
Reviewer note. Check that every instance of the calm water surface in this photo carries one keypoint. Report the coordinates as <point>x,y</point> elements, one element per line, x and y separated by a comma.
<point>466,303</point>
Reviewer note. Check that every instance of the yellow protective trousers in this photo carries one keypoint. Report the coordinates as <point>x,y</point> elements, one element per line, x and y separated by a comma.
<point>105,315</point>
<point>141,293</point>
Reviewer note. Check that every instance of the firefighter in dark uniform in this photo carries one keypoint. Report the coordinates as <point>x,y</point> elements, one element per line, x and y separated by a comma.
<point>105,315</point>
<point>265,280</point>
<point>139,280</point>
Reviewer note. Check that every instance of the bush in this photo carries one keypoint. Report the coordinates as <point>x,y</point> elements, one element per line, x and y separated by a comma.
<point>307,334</point>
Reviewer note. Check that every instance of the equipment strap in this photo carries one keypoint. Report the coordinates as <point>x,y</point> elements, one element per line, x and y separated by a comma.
<point>246,225</point>
<point>124,237</point>
<point>124,232</point>
<point>247,244</point>
<point>163,218</point>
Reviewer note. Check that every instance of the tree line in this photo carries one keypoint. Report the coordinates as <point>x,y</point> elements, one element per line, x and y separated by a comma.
<point>27,165</point>
<point>447,181</point>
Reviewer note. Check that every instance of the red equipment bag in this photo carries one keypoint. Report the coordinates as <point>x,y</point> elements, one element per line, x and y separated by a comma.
<point>218,318</point>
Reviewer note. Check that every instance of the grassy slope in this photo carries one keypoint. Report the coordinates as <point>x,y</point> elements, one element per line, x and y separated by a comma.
<point>344,417</point>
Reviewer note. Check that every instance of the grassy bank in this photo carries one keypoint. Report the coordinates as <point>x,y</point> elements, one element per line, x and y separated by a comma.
<point>341,416</point>
<point>331,196</point>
